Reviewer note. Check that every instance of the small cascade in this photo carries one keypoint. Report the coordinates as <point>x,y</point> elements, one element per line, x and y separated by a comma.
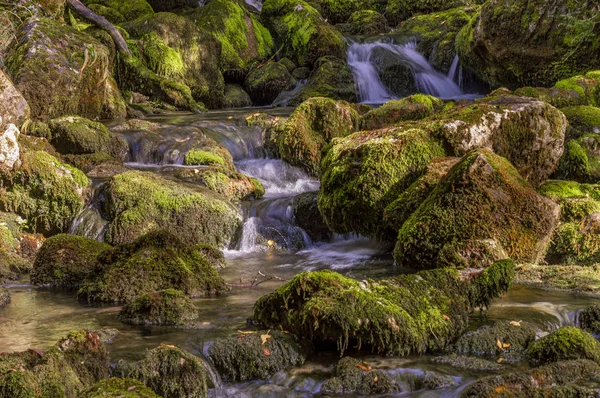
<point>89,224</point>
<point>286,97</point>
<point>427,79</point>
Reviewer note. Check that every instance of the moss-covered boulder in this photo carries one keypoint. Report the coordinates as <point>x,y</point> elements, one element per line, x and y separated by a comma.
<point>130,10</point>
<point>528,43</point>
<point>44,191</point>
<point>156,261</point>
<point>308,217</point>
<point>304,35</point>
<point>330,78</point>
<point>436,33</point>
<point>503,339</point>
<point>137,202</point>
<point>399,10</point>
<point>414,107</point>
<point>571,278</point>
<point>576,200</point>
<point>65,370</point>
<point>60,70</point>
<point>589,319</point>
<point>236,97</point>
<point>352,376</point>
<point>257,355</point>
<point>482,198</point>
<point>587,86</point>
<point>567,343</point>
<point>399,316</point>
<point>559,98</point>
<point>300,140</point>
<point>394,72</point>
<point>364,22</point>
<point>231,184</point>
<point>174,47</point>
<point>576,242</point>
<point>119,388</point>
<point>15,108</point>
<point>561,379</point>
<point>4,297</point>
<point>584,119</point>
<point>467,363</point>
<point>65,260</point>
<point>170,372</point>
<point>165,307</point>
<point>265,82</point>
<point>244,40</point>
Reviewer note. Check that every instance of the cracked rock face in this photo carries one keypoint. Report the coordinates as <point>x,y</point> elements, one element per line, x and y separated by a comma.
<point>9,147</point>
<point>14,108</point>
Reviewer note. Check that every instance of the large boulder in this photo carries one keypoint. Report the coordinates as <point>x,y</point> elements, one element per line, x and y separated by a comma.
<point>60,70</point>
<point>156,261</point>
<point>302,33</point>
<point>567,343</point>
<point>408,314</point>
<point>308,217</point>
<point>531,42</point>
<point>137,202</point>
<point>300,140</point>
<point>15,108</point>
<point>44,191</point>
<point>174,47</point>
<point>481,204</point>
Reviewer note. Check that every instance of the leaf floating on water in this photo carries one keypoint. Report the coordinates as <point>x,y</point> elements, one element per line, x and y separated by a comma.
<point>265,337</point>
<point>515,323</point>
<point>267,352</point>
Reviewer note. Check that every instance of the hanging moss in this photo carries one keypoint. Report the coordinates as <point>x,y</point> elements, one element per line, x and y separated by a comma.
<point>119,388</point>
<point>409,314</point>
<point>165,307</point>
<point>567,343</point>
<point>160,58</point>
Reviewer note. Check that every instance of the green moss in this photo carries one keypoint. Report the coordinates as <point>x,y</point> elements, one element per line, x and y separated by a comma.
<point>572,278</point>
<point>160,58</point>
<point>137,202</point>
<point>567,343</point>
<point>245,357</point>
<point>65,260</point>
<point>44,191</point>
<point>119,388</point>
<point>231,184</point>
<point>364,22</point>
<point>4,297</point>
<point>589,319</point>
<point>300,140</point>
<point>170,372</point>
<point>130,10</point>
<point>409,314</point>
<point>460,212</point>
<point>265,82</point>
<point>351,377</point>
<point>236,97</point>
<point>165,307</point>
<point>467,363</point>
<point>398,10</point>
<point>199,157</point>
<point>585,119</point>
<point>556,97</point>
<point>154,262</point>
<point>584,86</point>
<point>308,217</point>
<point>575,163</point>
<point>414,107</point>
<point>110,14</point>
<point>87,163</point>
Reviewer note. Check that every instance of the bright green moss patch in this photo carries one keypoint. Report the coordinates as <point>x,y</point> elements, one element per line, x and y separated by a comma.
<point>567,343</point>
<point>165,307</point>
<point>231,184</point>
<point>130,10</point>
<point>162,59</point>
<point>203,158</point>
<point>585,119</point>
<point>399,10</point>
<point>415,107</point>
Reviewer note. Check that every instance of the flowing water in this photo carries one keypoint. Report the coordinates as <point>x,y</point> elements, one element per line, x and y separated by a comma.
<point>38,317</point>
<point>371,89</point>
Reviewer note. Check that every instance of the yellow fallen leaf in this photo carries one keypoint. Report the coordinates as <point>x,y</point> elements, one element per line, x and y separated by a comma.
<point>363,367</point>
<point>265,337</point>
<point>283,331</point>
<point>247,332</point>
<point>505,345</point>
<point>500,360</point>
<point>499,344</point>
<point>376,379</point>
<point>515,323</point>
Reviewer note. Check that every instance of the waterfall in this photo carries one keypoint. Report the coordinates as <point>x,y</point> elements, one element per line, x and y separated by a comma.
<point>456,72</point>
<point>427,79</point>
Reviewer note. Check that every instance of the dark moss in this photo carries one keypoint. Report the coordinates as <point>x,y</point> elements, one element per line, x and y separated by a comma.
<point>364,22</point>
<point>87,163</point>
<point>65,260</point>
<point>265,82</point>
<point>165,307</point>
<point>414,107</point>
<point>352,376</point>
<point>403,315</point>
<point>169,371</point>
<point>572,278</point>
<point>468,363</point>
<point>589,319</point>
<point>398,10</point>
<point>4,297</point>
<point>559,98</point>
<point>246,357</point>
<point>236,97</point>
<point>308,217</point>
<point>130,10</point>
<point>567,343</point>
<point>119,388</point>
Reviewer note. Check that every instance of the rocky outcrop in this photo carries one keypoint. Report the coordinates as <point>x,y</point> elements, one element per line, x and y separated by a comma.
<point>9,147</point>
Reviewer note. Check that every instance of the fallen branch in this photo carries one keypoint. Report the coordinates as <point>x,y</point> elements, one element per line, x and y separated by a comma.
<point>255,282</point>
<point>101,22</point>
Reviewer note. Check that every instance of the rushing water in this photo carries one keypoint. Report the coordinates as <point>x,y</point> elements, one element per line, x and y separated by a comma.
<point>370,88</point>
<point>38,317</point>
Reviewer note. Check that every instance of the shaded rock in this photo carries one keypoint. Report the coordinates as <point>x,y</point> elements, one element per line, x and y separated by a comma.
<point>65,260</point>
<point>327,307</point>
<point>51,67</point>
<point>156,261</point>
<point>266,82</point>
<point>468,363</point>
<point>567,343</point>
<point>589,319</point>
<point>308,217</point>
<point>559,98</point>
<point>115,387</point>
<point>352,377</point>
<point>165,307</point>
<point>414,107</point>
<point>364,22</point>
<point>236,97</point>
<point>130,10</point>
<point>137,202</point>
<point>245,357</point>
<point>394,72</point>
<point>15,109</point>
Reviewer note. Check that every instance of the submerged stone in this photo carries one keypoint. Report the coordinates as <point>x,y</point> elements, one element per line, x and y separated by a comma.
<point>165,307</point>
<point>352,376</point>
<point>468,363</point>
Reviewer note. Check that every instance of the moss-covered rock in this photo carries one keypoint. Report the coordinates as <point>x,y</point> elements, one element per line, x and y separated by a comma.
<point>4,297</point>
<point>567,343</point>
<point>165,307</point>
<point>77,136</point>
<point>399,10</point>
<point>60,70</point>
<point>352,376</point>
<point>589,319</point>
<point>174,46</point>
<point>300,140</point>
<point>399,316</point>
<point>572,278</point>
<point>246,357</point>
<point>44,191</point>
<point>119,388</point>
<point>559,98</point>
<point>266,82</point>
<point>170,372</point>
<point>513,338</point>
<point>414,107</point>
<point>15,108</point>
<point>436,33</point>
<point>308,217</point>
<point>236,97</point>
<point>586,86</point>
<point>130,10</point>
<point>394,72</point>
<point>364,22</point>
<point>156,261</point>
<point>137,202</point>
<point>65,260</point>
<point>330,78</point>
<point>302,33</point>
<point>467,363</point>
<point>462,211</point>
<point>244,40</point>
<point>231,184</point>
<point>560,379</point>
<point>529,43</point>
<point>576,242</point>
<point>584,119</point>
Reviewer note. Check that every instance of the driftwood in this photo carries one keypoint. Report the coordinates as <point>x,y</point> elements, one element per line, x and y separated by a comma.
<point>101,22</point>
<point>255,282</point>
